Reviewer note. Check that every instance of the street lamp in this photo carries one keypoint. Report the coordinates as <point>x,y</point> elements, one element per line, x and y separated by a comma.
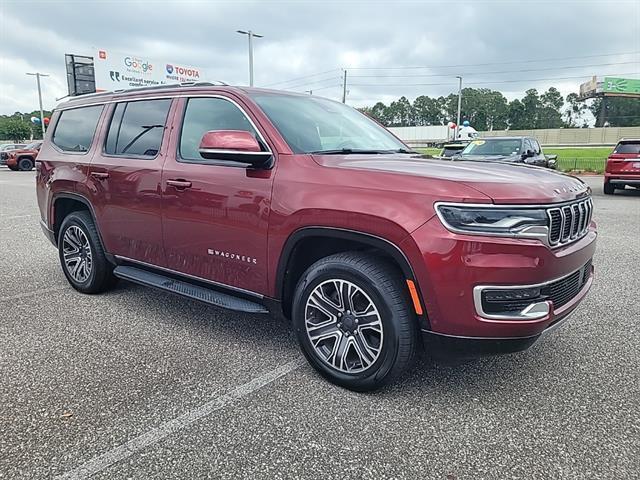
<point>38,75</point>
<point>459,105</point>
<point>250,34</point>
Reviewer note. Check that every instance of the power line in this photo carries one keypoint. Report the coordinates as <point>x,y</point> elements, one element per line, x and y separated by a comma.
<point>301,78</point>
<point>484,83</point>
<point>312,82</point>
<point>557,59</point>
<point>496,73</point>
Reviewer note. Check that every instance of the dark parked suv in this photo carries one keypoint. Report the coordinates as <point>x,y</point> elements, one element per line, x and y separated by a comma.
<point>263,201</point>
<point>525,150</point>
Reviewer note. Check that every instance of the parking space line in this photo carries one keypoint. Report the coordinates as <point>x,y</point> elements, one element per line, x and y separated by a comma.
<point>101,462</point>
<point>31,294</point>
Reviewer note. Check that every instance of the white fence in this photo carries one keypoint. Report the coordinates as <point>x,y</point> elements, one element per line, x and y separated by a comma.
<point>425,136</point>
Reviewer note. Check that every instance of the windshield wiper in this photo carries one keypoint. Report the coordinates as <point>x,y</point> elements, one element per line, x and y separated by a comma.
<point>404,150</point>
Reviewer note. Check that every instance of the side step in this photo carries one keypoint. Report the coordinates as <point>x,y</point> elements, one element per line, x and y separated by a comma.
<point>206,295</point>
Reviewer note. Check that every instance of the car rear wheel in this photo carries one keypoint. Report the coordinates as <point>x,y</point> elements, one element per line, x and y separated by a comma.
<point>353,322</point>
<point>609,189</point>
<point>82,256</point>
<point>25,164</point>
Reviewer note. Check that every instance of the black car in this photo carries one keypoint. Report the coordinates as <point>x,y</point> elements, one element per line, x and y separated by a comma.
<point>525,150</point>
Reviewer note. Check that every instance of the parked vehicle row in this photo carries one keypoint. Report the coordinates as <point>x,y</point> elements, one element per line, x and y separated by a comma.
<point>264,201</point>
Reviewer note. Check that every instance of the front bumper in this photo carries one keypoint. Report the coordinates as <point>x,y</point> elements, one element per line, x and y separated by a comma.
<point>450,267</point>
<point>449,347</point>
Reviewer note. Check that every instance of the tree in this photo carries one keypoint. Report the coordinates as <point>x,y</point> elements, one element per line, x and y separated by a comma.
<point>15,129</point>
<point>379,112</point>
<point>532,104</point>
<point>549,114</point>
<point>574,111</point>
<point>426,111</point>
<point>517,115</point>
<point>620,111</point>
<point>401,113</point>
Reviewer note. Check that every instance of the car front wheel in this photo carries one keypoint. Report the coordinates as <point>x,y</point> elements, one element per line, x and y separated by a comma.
<point>25,164</point>
<point>353,321</point>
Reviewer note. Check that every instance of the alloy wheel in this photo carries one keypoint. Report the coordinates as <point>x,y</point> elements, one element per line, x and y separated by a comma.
<point>344,326</point>
<point>77,254</point>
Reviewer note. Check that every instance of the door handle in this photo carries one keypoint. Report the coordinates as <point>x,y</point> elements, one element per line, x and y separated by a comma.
<point>100,175</point>
<point>179,184</point>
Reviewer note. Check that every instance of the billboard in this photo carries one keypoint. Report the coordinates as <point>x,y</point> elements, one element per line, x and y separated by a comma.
<point>589,88</point>
<point>116,71</point>
<point>80,75</point>
<point>621,85</point>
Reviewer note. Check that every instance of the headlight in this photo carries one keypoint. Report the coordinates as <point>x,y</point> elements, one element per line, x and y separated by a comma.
<point>493,220</point>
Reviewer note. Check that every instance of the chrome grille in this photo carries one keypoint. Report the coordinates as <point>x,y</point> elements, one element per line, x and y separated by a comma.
<point>569,222</point>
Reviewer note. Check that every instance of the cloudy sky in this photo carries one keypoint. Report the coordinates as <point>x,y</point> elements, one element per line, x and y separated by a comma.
<point>509,45</point>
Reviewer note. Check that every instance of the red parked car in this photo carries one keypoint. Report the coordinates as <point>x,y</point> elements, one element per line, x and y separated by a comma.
<point>23,159</point>
<point>623,166</point>
<point>264,201</point>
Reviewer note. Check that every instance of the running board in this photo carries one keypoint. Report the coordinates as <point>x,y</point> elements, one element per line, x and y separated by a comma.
<point>185,289</point>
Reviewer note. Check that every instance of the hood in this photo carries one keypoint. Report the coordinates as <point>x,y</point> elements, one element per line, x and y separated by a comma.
<point>20,151</point>
<point>502,182</point>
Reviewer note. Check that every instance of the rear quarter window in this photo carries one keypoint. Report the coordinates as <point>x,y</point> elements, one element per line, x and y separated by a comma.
<point>627,147</point>
<point>76,128</point>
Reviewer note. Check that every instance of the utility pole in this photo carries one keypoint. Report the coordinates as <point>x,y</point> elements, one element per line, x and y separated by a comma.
<point>250,34</point>
<point>459,107</point>
<point>344,87</point>
<point>38,75</point>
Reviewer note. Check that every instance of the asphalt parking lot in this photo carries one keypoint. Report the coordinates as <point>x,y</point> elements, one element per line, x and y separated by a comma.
<point>138,384</point>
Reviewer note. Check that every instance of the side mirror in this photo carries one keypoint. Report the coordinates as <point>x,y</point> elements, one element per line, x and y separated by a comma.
<point>233,146</point>
<point>528,154</point>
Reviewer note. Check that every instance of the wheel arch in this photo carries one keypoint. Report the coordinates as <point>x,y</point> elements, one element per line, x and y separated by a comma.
<point>327,241</point>
<point>64,203</point>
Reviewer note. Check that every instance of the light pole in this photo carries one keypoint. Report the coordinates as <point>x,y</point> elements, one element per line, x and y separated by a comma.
<point>250,34</point>
<point>38,75</point>
<point>459,107</point>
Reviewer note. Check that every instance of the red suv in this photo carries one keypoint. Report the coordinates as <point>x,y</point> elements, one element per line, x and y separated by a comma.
<point>623,166</point>
<point>264,201</point>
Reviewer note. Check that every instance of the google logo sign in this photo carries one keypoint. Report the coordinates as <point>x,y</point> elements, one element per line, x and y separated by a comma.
<point>137,64</point>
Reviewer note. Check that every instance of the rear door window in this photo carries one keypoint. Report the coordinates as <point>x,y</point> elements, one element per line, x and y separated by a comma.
<point>75,129</point>
<point>137,128</point>
<point>628,147</point>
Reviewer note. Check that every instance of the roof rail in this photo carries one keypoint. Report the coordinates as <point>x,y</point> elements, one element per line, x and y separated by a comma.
<point>217,83</point>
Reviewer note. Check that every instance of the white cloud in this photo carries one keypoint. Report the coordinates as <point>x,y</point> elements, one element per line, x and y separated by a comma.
<point>305,37</point>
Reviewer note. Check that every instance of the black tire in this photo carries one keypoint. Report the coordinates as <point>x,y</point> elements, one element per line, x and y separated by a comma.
<point>384,286</point>
<point>609,189</point>
<point>100,277</point>
<point>25,164</point>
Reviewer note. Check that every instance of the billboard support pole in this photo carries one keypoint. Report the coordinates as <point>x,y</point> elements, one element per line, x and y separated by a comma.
<point>38,75</point>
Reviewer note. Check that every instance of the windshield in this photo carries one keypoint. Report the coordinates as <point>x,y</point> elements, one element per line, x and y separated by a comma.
<point>32,146</point>
<point>503,147</point>
<point>313,125</point>
<point>627,147</point>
